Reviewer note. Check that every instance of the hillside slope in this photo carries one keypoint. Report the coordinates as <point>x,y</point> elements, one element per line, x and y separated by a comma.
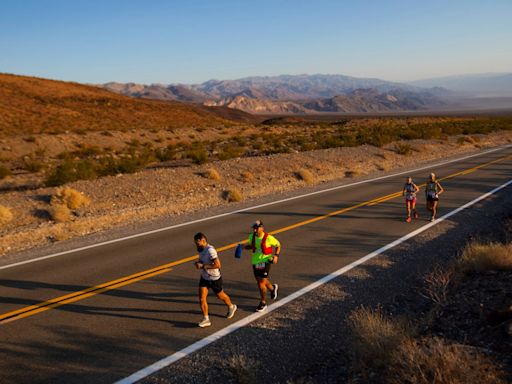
<point>34,105</point>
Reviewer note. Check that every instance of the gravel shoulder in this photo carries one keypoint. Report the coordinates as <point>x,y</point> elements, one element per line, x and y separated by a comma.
<point>307,341</point>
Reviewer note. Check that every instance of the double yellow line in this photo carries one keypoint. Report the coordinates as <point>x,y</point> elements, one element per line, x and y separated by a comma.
<point>95,290</point>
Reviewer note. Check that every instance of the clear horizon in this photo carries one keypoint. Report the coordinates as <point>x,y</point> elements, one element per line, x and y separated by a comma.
<point>173,42</point>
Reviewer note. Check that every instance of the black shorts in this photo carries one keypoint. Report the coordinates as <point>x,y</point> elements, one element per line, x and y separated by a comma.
<point>430,198</point>
<point>261,272</point>
<point>214,285</point>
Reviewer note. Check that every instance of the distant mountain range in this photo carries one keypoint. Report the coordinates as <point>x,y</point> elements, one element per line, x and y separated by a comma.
<point>288,94</point>
<point>477,85</point>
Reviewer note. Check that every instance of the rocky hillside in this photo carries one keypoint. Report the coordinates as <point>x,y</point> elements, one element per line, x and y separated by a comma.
<point>34,105</point>
<point>357,101</point>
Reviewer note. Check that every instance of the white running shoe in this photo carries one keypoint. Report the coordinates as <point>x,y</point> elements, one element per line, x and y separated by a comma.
<point>231,311</point>
<point>204,323</point>
<point>273,294</point>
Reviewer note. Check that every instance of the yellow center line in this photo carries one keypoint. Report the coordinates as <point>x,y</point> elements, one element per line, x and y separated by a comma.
<point>95,290</point>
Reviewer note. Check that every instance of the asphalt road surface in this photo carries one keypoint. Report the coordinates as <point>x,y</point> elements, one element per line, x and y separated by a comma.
<point>100,314</point>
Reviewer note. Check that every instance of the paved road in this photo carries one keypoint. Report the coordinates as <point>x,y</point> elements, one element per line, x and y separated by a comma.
<point>60,323</point>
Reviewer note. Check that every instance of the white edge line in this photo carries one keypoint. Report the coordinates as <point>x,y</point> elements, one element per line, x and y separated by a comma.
<point>149,370</point>
<point>249,209</point>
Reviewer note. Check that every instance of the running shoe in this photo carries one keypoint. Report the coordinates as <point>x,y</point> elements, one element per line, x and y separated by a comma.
<point>204,323</point>
<point>273,294</point>
<point>231,311</point>
<point>416,216</point>
<point>408,219</point>
<point>432,218</point>
<point>261,307</point>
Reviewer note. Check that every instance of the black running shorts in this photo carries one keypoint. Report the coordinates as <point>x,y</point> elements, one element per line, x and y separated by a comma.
<point>214,285</point>
<point>262,272</point>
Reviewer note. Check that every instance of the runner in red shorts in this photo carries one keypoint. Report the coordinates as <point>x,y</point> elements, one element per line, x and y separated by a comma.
<point>409,191</point>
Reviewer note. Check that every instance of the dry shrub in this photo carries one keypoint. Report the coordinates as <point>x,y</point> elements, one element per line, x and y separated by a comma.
<point>306,176</point>
<point>468,139</point>
<point>247,176</point>
<point>211,174</point>
<point>60,234</point>
<point>433,361</point>
<point>5,215</point>
<point>478,257</point>
<point>59,212</point>
<point>72,198</point>
<point>232,195</point>
<point>403,149</point>
<point>375,337</point>
<point>352,173</point>
<point>437,283</point>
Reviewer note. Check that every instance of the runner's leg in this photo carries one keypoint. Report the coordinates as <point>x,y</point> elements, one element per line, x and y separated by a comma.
<point>262,286</point>
<point>225,298</point>
<point>434,208</point>
<point>203,293</point>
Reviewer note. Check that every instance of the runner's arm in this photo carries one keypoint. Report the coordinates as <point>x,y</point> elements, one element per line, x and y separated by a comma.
<point>277,251</point>
<point>441,189</point>
<point>215,264</point>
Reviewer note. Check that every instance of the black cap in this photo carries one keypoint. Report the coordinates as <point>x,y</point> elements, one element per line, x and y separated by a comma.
<point>257,224</point>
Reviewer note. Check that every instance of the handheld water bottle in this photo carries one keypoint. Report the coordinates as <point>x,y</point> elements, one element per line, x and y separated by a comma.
<point>238,251</point>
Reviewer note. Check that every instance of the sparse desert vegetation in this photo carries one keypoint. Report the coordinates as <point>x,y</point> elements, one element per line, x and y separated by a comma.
<point>387,351</point>
<point>479,257</point>
<point>385,347</point>
<point>129,151</point>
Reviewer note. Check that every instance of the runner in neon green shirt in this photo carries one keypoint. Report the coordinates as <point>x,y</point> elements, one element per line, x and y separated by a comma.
<point>265,252</point>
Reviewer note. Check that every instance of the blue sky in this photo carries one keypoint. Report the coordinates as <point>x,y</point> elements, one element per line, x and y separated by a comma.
<point>191,41</point>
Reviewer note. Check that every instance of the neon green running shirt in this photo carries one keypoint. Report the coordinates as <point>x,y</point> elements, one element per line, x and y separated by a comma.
<point>258,256</point>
